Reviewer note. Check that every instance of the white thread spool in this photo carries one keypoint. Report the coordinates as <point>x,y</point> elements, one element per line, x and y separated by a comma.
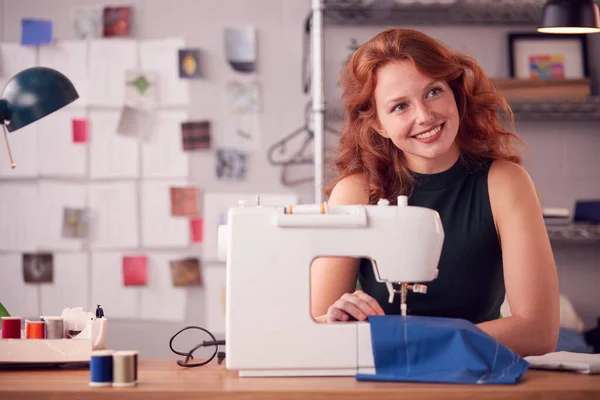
<point>124,369</point>
<point>54,328</point>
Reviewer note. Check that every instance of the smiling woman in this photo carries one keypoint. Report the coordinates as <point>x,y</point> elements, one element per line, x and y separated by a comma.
<point>424,122</point>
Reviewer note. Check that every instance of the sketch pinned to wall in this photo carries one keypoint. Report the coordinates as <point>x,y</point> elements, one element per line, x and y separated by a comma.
<point>231,164</point>
<point>196,229</point>
<point>195,135</point>
<point>215,295</point>
<point>116,21</point>
<point>76,222</point>
<point>240,48</point>
<point>80,130</point>
<point>38,267</point>
<point>140,89</point>
<point>184,202</point>
<point>134,122</point>
<point>186,272</point>
<point>36,32</point>
<point>189,63</point>
<point>19,217</point>
<point>163,156</point>
<point>88,22</point>
<point>109,60</point>
<point>242,97</point>
<point>135,270</point>
<point>241,132</point>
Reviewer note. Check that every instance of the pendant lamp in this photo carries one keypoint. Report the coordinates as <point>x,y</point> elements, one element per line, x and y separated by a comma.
<point>570,16</point>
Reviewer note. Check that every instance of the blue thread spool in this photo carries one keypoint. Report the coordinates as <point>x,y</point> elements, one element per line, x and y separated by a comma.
<point>101,368</point>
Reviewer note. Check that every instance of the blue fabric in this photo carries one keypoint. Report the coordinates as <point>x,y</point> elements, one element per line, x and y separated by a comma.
<point>446,350</point>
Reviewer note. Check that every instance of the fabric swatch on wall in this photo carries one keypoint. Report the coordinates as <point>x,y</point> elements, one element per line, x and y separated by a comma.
<point>186,272</point>
<point>38,267</point>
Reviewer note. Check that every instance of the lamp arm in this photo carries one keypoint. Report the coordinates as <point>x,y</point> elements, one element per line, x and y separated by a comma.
<point>4,111</point>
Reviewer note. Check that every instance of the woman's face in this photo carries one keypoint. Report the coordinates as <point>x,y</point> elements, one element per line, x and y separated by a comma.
<point>419,115</point>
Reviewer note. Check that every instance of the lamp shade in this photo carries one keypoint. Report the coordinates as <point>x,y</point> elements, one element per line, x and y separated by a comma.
<point>570,16</point>
<point>32,94</point>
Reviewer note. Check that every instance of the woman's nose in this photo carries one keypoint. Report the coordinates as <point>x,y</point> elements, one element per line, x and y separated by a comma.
<point>425,114</point>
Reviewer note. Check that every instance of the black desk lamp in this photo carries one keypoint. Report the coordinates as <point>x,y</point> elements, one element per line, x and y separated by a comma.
<point>31,95</point>
<point>570,16</point>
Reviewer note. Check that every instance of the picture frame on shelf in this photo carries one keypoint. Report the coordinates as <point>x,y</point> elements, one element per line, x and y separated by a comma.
<point>534,55</point>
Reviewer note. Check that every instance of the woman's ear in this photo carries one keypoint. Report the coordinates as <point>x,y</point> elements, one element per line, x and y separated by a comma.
<point>379,129</point>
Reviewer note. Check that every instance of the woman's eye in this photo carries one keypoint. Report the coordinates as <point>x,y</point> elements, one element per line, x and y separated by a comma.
<point>435,91</point>
<point>399,107</point>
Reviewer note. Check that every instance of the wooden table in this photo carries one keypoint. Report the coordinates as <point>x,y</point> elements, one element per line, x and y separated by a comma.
<point>163,379</point>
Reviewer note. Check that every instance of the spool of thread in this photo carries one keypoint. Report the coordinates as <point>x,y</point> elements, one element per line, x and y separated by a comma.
<point>11,327</point>
<point>34,329</point>
<point>101,368</point>
<point>54,328</point>
<point>124,368</point>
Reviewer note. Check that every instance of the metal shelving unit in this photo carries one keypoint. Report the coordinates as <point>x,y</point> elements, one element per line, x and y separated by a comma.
<point>586,108</point>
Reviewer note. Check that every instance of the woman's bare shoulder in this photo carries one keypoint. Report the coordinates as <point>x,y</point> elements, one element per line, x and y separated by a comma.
<point>353,189</point>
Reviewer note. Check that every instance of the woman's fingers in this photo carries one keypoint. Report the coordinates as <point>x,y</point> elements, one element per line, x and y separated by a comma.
<point>371,302</point>
<point>335,314</point>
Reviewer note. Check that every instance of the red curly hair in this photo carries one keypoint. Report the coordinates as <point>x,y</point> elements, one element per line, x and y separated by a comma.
<point>481,134</point>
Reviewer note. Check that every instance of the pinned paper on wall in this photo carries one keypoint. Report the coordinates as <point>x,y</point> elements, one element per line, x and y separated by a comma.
<point>18,297</point>
<point>134,122</point>
<point>13,59</point>
<point>216,296</point>
<point>189,63</point>
<point>231,164</point>
<point>163,156</point>
<point>195,135</point>
<point>19,229</point>
<point>159,228</point>
<point>186,272</point>
<point>141,89</point>
<point>111,155</point>
<point>159,299</point>
<point>80,130</point>
<point>162,57</point>
<point>60,151</point>
<point>184,202</point>
<point>35,32</point>
<point>38,267</point>
<point>69,287</point>
<point>116,21</point>
<point>54,197</point>
<point>107,287</point>
<point>115,215</point>
<point>242,97</point>
<point>89,22</point>
<point>240,48</point>
<point>109,60</point>
<point>76,222</point>
<point>196,229</point>
<point>242,132</point>
<point>216,206</point>
<point>70,58</point>
<point>135,270</point>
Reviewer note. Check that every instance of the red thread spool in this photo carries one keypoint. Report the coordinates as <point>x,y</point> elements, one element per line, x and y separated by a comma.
<point>11,327</point>
<point>34,329</point>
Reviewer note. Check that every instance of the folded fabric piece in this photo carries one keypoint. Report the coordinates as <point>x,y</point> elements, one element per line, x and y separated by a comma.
<point>564,360</point>
<point>444,350</point>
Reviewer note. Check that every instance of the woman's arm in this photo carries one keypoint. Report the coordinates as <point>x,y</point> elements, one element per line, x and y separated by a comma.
<point>331,277</point>
<point>529,269</point>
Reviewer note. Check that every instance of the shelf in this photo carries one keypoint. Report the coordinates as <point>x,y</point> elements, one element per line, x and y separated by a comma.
<point>442,12</point>
<point>574,233</point>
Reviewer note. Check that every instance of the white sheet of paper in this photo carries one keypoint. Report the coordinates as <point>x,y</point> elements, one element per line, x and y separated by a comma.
<point>70,284</point>
<point>19,298</point>
<point>24,148</point>
<point>162,154</point>
<point>217,205</point>
<point>109,60</point>
<point>115,222</point>
<point>15,58</point>
<point>242,132</point>
<point>70,58</point>
<point>111,155</point>
<point>18,217</point>
<point>53,197</point>
<point>107,289</point>
<point>160,299</point>
<point>162,56</point>
<point>159,228</point>
<point>57,153</point>
<point>215,293</point>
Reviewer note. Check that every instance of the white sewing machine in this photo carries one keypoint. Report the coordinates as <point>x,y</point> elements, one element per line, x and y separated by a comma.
<point>269,328</point>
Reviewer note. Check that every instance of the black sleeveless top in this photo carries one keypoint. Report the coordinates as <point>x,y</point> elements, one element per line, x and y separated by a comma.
<point>470,284</point>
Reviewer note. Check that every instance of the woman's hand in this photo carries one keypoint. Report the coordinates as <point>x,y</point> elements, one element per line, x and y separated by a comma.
<point>352,306</point>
